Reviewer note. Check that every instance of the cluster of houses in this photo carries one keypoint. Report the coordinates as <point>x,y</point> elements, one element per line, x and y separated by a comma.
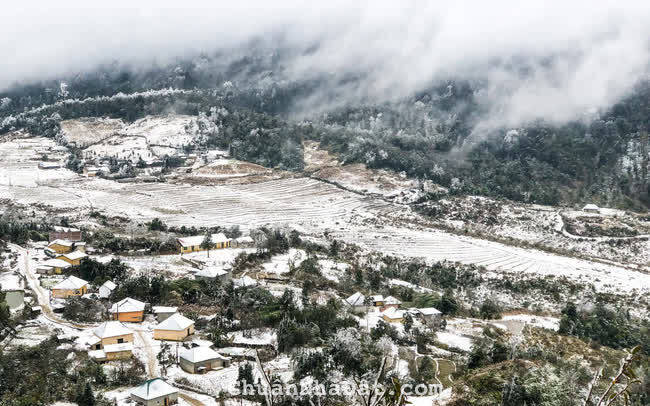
<point>389,308</point>
<point>65,250</point>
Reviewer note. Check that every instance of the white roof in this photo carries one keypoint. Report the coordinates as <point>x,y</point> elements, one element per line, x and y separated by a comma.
<point>356,300</point>
<point>74,255</point>
<point>211,272</point>
<point>392,300</point>
<point>65,243</point>
<point>377,298</point>
<point>198,239</point>
<point>164,309</point>
<point>97,354</point>
<point>428,311</point>
<point>65,229</point>
<point>153,388</point>
<point>70,283</point>
<point>590,206</point>
<point>57,263</point>
<point>245,239</point>
<point>127,305</point>
<point>112,328</point>
<point>393,313</point>
<point>175,322</point>
<point>109,285</point>
<point>200,354</point>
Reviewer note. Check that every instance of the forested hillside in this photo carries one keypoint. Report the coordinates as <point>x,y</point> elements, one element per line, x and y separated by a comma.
<point>252,106</point>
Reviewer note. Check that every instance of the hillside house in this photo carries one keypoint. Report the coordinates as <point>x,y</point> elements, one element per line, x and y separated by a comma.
<point>71,286</point>
<point>73,258</point>
<point>49,165</point>
<point>591,208</point>
<point>14,289</point>
<point>53,266</point>
<point>193,244</point>
<point>175,328</point>
<point>66,246</point>
<point>243,242</point>
<point>393,315</point>
<point>389,302</point>
<point>106,290</point>
<point>357,301</point>
<point>199,360</point>
<point>155,392</point>
<point>128,310</point>
<point>212,274</point>
<point>428,315</point>
<point>163,312</point>
<point>377,300</point>
<point>65,233</point>
<point>112,340</point>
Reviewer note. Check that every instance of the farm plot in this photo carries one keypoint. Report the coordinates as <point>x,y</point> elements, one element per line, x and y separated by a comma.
<point>436,245</point>
<point>19,159</point>
<point>298,201</point>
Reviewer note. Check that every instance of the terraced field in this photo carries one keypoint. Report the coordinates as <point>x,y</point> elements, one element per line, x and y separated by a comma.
<point>434,245</point>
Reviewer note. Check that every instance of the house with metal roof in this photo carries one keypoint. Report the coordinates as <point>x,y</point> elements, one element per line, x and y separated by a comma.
<point>199,360</point>
<point>155,392</point>
<point>175,328</point>
<point>71,286</point>
<point>106,290</point>
<point>128,309</point>
<point>112,340</point>
<point>193,244</point>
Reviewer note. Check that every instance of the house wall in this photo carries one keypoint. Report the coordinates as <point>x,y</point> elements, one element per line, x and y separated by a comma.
<point>72,236</point>
<point>66,293</point>
<point>192,368</point>
<point>388,319</point>
<point>118,355</point>
<point>197,248</point>
<point>171,335</point>
<point>172,399</point>
<point>134,317</point>
<point>60,249</point>
<point>73,262</point>
<point>128,338</point>
<point>14,298</point>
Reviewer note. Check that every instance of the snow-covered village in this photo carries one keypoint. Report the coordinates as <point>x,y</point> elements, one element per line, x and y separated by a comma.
<point>226,229</point>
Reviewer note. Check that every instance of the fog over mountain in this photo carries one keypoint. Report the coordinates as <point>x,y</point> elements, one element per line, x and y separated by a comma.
<point>550,59</point>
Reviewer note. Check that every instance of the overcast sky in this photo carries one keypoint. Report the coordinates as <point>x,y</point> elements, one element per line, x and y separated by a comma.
<point>600,48</point>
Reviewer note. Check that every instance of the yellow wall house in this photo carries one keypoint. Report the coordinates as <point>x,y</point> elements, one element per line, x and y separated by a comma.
<point>61,246</point>
<point>53,266</point>
<point>174,328</point>
<point>71,286</point>
<point>73,258</point>
<point>112,341</point>
<point>193,244</point>
<point>128,309</point>
<point>393,315</point>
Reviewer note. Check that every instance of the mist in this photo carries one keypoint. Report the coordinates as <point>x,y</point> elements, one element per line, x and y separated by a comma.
<point>540,59</point>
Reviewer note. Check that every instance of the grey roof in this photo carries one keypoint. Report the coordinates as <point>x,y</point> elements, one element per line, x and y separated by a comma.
<point>175,322</point>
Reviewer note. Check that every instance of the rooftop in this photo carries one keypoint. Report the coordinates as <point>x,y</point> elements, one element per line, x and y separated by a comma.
<point>70,283</point>
<point>127,305</point>
<point>198,239</point>
<point>111,329</point>
<point>201,354</point>
<point>175,322</point>
<point>153,388</point>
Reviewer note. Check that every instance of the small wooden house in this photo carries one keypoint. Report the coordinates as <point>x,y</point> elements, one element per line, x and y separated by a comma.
<point>175,328</point>
<point>211,274</point>
<point>112,341</point>
<point>389,302</point>
<point>71,286</point>
<point>53,266</point>
<point>193,244</point>
<point>428,315</point>
<point>591,208</point>
<point>357,301</point>
<point>106,290</point>
<point>128,310</point>
<point>199,360</point>
<point>393,315</point>
<point>61,246</point>
<point>73,258</point>
<point>377,300</point>
<point>155,392</point>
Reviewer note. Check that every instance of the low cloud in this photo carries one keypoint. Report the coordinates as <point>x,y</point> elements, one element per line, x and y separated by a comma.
<point>549,59</point>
